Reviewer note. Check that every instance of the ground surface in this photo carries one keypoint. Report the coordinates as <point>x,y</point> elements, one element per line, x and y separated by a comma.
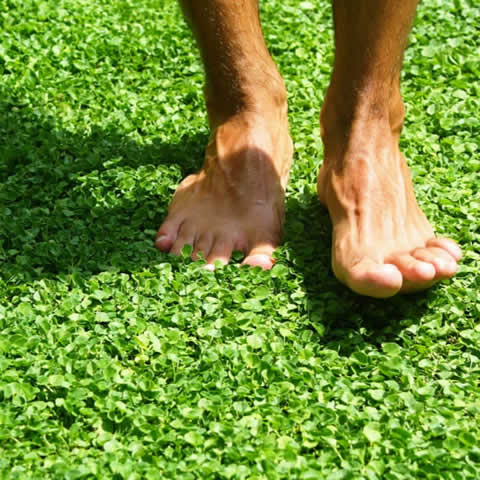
<point>117,361</point>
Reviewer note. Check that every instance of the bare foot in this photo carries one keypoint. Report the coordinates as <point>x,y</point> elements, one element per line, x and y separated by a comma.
<point>236,201</point>
<point>382,242</point>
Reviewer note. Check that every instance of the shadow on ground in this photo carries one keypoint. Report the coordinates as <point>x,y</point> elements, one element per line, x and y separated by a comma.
<point>344,320</point>
<point>90,203</point>
<point>82,202</point>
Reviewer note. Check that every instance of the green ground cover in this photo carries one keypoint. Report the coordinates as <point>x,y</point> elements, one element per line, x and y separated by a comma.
<point>117,361</point>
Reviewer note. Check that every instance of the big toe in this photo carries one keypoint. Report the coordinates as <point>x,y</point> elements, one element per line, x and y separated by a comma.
<point>260,256</point>
<point>373,279</point>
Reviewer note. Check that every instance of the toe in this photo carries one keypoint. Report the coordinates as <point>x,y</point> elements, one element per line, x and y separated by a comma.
<point>167,233</point>
<point>447,244</point>
<point>373,279</point>
<point>186,236</point>
<point>203,244</point>
<point>260,256</point>
<point>164,242</point>
<point>445,265</point>
<point>221,251</point>
<point>412,269</point>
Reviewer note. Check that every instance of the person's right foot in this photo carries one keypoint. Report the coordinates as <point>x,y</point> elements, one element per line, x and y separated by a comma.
<point>236,201</point>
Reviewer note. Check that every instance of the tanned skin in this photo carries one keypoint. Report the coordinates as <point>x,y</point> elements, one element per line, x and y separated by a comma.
<point>382,242</point>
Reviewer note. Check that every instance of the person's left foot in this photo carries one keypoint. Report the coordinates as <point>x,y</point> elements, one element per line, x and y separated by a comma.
<point>382,242</point>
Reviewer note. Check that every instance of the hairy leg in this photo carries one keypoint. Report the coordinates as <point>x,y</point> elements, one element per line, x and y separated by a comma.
<point>382,242</point>
<point>236,201</point>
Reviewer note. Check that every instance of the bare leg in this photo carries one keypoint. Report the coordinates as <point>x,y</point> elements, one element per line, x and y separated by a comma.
<point>236,201</point>
<point>382,241</point>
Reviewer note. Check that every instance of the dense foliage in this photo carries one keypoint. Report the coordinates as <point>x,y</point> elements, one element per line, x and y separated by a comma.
<point>117,361</point>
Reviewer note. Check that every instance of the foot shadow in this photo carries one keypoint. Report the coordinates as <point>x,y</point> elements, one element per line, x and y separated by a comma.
<point>342,320</point>
<point>86,203</point>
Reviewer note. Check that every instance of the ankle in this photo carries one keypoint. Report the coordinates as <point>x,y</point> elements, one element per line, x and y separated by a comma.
<point>341,113</point>
<point>265,95</point>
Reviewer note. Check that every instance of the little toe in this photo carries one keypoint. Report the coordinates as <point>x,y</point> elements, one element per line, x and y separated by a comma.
<point>373,279</point>
<point>221,251</point>
<point>260,256</point>
<point>412,269</point>
<point>445,265</point>
<point>167,234</point>
<point>447,244</point>
<point>164,242</point>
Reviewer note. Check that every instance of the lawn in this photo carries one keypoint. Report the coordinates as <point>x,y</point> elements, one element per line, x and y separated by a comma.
<point>118,361</point>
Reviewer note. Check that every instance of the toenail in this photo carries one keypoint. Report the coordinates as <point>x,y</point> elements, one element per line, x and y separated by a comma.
<point>441,264</point>
<point>426,269</point>
<point>160,239</point>
<point>391,269</point>
<point>452,267</point>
